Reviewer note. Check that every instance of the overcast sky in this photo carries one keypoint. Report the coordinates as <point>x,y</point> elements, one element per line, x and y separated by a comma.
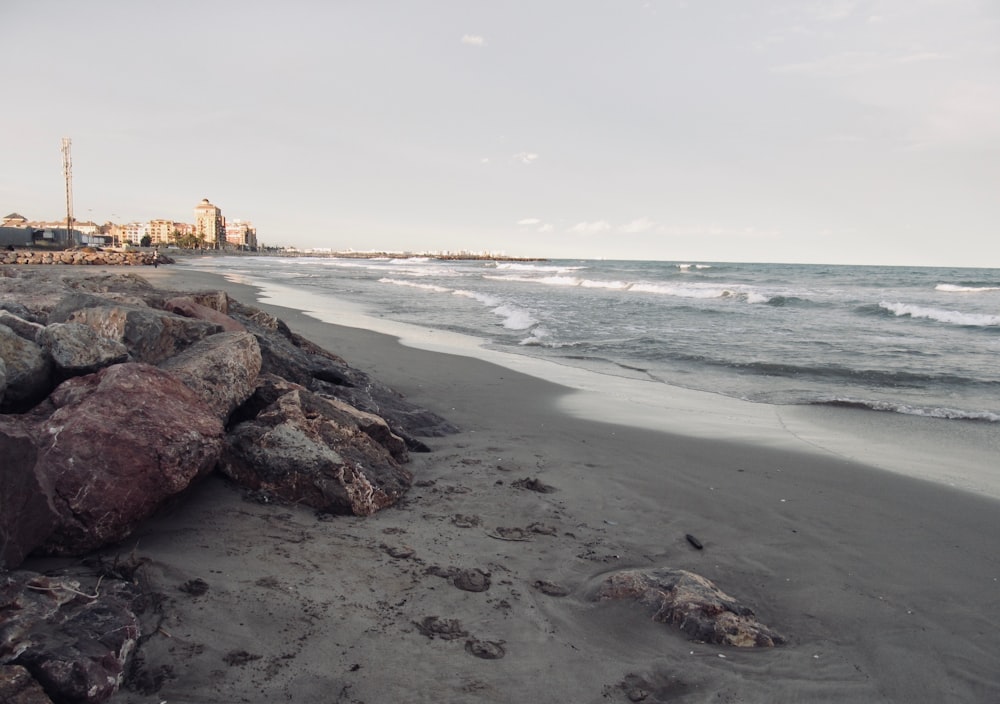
<point>833,131</point>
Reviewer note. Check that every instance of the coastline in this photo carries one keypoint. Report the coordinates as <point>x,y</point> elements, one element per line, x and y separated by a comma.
<point>884,584</point>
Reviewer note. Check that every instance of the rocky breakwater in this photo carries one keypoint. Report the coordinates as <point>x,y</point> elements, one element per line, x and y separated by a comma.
<point>116,397</point>
<point>84,255</point>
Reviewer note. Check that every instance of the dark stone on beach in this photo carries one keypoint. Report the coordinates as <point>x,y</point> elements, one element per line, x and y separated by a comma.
<point>75,645</point>
<point>550,588</point>
<point>319,452</point>
<point>443,628</point>
<point>27,371</point>
<point>222,369</point>
<point>194,587</point>
<point>471,580</point>
<point>485,649</point>
<point>533,485</point>
<point>114,446</point>
<point>17,686</point>
<point>22,325</point>
<point>695,543</point>
<point>691,603</point>
<point>27,517</point>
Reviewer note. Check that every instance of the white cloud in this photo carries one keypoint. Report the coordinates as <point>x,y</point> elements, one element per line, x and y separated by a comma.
<point>591,228</point>
<point>473,40</point>
<point>637,226</point>
<point>525,157</point>
<point>529,221</point>
<point>546,228</point>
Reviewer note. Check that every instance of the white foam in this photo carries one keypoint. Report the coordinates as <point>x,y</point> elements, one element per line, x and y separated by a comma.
<point>940,315</point>
<point>953,288</point>
<point>515,318</point>
<point>412,284</point>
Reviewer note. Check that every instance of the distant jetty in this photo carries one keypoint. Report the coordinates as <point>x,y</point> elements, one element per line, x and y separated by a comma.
<point>445,256</point>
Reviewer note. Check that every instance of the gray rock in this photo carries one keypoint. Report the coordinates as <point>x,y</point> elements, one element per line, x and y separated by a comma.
<point>691,603</point>
<point>22,326</point>
<point>222,369</point>
<point>28,369</point>
<point>76,349</point>
<point>320,452</point>
<point>17,686</point>
<point>150,335</point>
<point>27,517</point>
<point>72,643</point>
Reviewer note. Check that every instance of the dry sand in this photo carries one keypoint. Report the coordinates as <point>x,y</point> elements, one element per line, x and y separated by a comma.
<point>886,586</point>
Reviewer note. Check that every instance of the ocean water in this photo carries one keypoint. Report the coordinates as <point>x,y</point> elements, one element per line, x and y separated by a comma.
<point>911,340</point>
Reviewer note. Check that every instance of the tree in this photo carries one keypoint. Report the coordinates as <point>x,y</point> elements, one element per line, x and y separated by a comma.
<point>145,241</point>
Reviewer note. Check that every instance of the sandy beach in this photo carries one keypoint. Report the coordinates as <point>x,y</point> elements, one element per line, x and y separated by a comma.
<point>886,586</point>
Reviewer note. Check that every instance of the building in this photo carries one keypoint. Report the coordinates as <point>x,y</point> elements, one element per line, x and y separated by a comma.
<point>161,232</point>
<point>209,225</point>
<point>241,234</point>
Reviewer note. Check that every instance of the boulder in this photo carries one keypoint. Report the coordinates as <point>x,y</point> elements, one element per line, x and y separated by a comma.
<point>292,357</point>
<point>27,371</point>
<point>115,446</point>
<point>27,517</point>
<point>24,327</point>
<point>189,308</point>
<point>150,335</point>
<point>76,349</point>
<point>17,686</point>
<point>691,603</point>
<point>72,643</point>
<point>222,369</point>
<point>320,452</point>
<point>3,379</point>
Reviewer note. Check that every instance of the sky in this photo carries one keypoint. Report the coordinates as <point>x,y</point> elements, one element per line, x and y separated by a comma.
<point>824,131</point>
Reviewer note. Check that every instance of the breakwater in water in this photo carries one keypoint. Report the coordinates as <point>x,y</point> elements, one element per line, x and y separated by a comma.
<point>82,256</point>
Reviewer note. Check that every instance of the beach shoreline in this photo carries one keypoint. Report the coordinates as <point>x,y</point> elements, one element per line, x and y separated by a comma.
<point>883,584</point>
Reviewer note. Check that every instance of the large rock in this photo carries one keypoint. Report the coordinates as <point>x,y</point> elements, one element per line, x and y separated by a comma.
<point>222,369</point>
<point>320,452</point>
<point>691,603</point>
<point>27,371</point>
<point>27,517</point>
<point>295,358</point>
<point>189,308</point>
<point>73,644</point>
<point>150,335</point>
<point>76,349</point>
<point>118,444</point>
<point>17,686</point>
<point>24,327</point>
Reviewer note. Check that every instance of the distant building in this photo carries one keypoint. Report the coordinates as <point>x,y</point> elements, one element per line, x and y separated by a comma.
<point>209,224</point>
<point>161,232</point>
<point>14,220</point>
<point>241,234</point>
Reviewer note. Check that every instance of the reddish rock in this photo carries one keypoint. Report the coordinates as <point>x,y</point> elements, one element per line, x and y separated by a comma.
<point>27,517</point>
<point>118,444</point>
<point>222,369</point>
<point>315,451</point>
<point>73,643</point>
<point>691,603</point>
<point>189,308</point>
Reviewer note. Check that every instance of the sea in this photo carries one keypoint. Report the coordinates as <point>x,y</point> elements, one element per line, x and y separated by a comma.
<point>920,341</point>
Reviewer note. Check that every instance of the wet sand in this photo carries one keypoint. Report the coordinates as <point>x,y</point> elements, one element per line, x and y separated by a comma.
<point>885,585</point>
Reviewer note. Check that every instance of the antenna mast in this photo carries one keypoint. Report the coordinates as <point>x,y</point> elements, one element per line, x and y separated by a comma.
<point>68,174</point>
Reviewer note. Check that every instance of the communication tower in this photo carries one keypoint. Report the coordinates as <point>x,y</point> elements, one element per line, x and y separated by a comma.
<point>68,174</point>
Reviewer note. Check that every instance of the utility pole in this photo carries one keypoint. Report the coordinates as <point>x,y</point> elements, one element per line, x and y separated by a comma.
<point>68,174</point>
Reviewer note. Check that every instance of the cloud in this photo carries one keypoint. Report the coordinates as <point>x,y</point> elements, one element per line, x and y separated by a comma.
<point>525,157</point>
<point>473,40</point>
<point>591,228</point>
<point>529,221</point>
<point>637,226</point>
<point>546,228</point>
